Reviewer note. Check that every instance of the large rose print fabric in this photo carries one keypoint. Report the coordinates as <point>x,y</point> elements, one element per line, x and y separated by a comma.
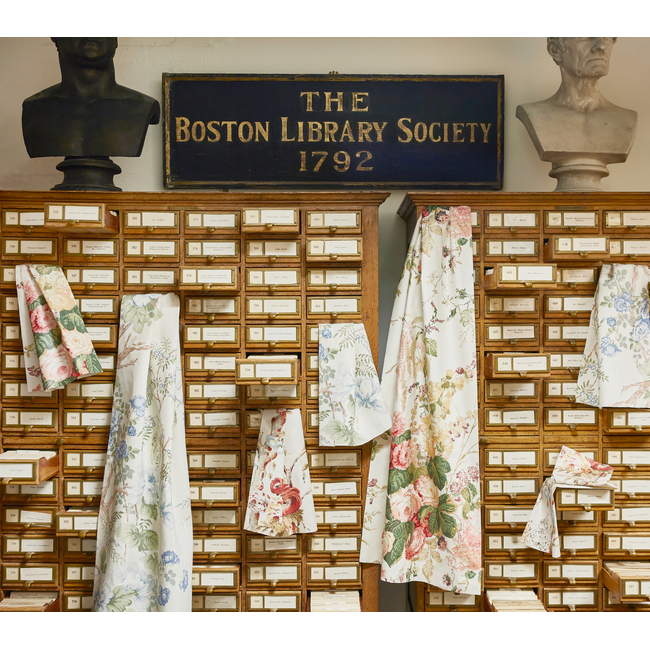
<point>422,519</point>
<point>56,344</point>
<point>615,368</point>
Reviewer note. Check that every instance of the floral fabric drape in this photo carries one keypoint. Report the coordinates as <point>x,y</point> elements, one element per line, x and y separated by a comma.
<point>57,346</point>
<point>571,468</point>
<point>422,519</point>
<point>281,502</point>
<point>144,536</point>
<point>351,407</point>
<point>615,369</point>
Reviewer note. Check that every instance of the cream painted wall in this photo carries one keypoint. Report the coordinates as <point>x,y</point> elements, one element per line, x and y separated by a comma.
<point>29,65</point>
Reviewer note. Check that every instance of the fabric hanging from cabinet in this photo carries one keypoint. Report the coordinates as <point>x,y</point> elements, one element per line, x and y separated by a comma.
<point>422,519</point>
<point>351,406</point>
<point>571,469</point>
<point>615,370</point>
<point>281,502</point>
<point>144,536</point>
<point>56,343</point>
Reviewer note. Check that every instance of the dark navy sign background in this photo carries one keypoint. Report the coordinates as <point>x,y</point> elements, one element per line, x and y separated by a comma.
<point>333,131</point>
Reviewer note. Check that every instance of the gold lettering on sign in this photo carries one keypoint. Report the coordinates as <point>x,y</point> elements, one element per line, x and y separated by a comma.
<point>182,130</point>
<point>309,95</point>
<point>329,101</point>
<point>357,99</point>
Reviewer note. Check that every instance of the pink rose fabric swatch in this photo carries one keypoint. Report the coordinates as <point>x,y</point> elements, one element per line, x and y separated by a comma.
<point>57,346</point>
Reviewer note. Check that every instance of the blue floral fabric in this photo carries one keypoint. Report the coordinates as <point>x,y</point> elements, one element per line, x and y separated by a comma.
<point>615,369</point>
<point>144,536</point>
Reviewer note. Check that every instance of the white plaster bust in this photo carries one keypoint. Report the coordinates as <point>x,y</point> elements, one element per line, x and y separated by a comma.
<point>577,129</point>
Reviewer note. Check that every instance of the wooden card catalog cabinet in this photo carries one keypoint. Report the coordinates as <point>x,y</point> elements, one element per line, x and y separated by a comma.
<point>536,262</point>
<point>256,273</point>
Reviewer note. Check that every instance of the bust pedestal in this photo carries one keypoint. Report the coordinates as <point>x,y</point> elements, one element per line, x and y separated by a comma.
<point>88,174</point>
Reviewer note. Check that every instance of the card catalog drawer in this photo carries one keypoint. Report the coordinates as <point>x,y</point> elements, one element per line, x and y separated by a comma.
<point>13,363</point>
<point>575,248</point>
<point>334,461</point>
<point>513,517</point>
<point>98,393</point>
<point>332,490</point>
<point>216,519</point>
<point>567,519</point>
<point>585,278</point>
<point>93,218</point>
<point>77,601</point>
<point>521,334</point>
<point>334,249</point>
<point>521,572</point>
<point>626,488</point>
<point>18,548</point>
<point>260,547</point>
<point>220,422</point>
<point>276,250</point>
<point>29,250</point>
<point>340,518</point>
<point>511,418</point>
<point>77,523</point>
<point>226,222</point>
<point>282,307</point>
<point>9,306</point>
<point>217,547</point>
<point>273,337</point>
<point>159,222</point>
<point>106,308</point>
<point>342,222</point>
<point>515,458</point>
<point>626,545</point>
<point>628,458</point>
<point>565,363</point>
<point>522,488</point>
<point>574,306</point>
<point>566,334</point>
<point>161,279</point>
<point>520,275</point>
<point>312,336</point>
<point>76,548</point>
<point>497,544</point>
<point>253,422</point>
<point>92,279</point>
<point>216,603</point>
<point>78,491</point>
<point>559,391</point>
<point>273,575</point>
<point>512,249</point>
<point>579,572</point>
<point>629,421</point>
<point>286,394</point>
<point>573,221</point>
<point>88,421</point>
<point>312,364</point>
<point>78,576</point>
<point>578,543</point>
<point>446,601</point>
<point>637,515</point>
<point>511,306</point>
<point>628,581</point>
<point>45,492</point>
<point>276,279</point>
<point>211,278</point>
<point>202,336</point>
<point>584,498</point>
<point>571,599</point>
<point>312,391</point>
<point>266,371</point>
<point>104,251</point>
<point>211,494</point>
<point>30,576</point>
<point>334,546</point>
<point>212,251</point>
<point>577,418</point>
<point>23,220</point>
<point>334,279</point>
<point>28,517</point>
<point>79,462</point>
<point>286,601</point>
<point>622,250</point>
<point>18,470</point>
<point>11,335</point>
<point>15,391</point>
<point>208,579</point>
<point>151,250</point>
<point>512,221</point>
<point>511,391</point>
<point>324,307</point>
<point>628,220</point>
<point>211,393</point>
<point>214,463</point>
<point>8,277</point>
<point>212,365</point>
<point>517,365</point>
<point>551,453</point>
<point>330,576</point>
<point>30,421</point>
<point>270,220</point>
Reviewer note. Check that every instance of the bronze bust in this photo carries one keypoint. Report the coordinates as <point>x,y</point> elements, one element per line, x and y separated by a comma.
<point>88,116</point>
